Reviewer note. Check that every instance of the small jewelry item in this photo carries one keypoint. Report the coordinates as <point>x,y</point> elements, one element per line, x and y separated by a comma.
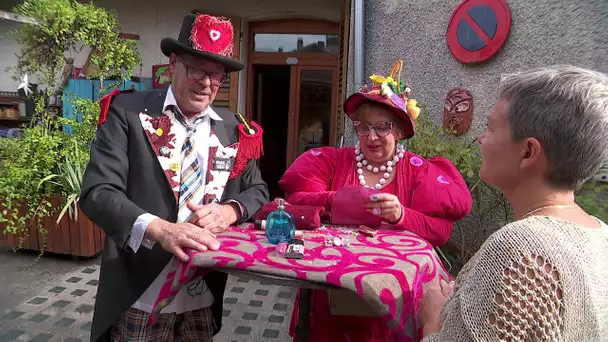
<point>366,231</point>
<point>164,151</point>
<point>387,168</point>
<point>281,249</point>
<point>554,206</point>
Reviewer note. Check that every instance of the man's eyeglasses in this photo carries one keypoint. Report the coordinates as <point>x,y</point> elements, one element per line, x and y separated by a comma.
<point>381,128</point>
<point>198,75</point>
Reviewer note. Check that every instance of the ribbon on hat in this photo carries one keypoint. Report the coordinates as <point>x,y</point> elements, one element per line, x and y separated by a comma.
<point>397,69</point>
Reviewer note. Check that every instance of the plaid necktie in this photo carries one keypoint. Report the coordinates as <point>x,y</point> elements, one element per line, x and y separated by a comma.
<point>191,180</point>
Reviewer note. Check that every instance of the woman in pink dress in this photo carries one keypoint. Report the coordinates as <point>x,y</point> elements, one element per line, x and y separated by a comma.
<point>424,196</point>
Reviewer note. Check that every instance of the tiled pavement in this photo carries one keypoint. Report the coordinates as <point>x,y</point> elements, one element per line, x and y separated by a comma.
<point>62,311</point>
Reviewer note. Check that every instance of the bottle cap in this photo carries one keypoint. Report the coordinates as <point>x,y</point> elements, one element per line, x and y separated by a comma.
<point>260,224</point>
<point>281,203</point>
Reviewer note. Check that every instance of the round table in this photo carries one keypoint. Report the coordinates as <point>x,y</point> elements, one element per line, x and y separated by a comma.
<point>388,271</point>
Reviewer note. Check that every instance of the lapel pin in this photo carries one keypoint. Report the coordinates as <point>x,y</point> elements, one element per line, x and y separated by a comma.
<point>165,151</point>
<point>174,166</point>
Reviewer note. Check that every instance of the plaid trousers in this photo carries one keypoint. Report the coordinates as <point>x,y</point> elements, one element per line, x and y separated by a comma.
<point>190,326</point>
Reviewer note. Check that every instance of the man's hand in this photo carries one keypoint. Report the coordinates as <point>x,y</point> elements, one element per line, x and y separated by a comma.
<point>214,217</point>
<point>174,237</point>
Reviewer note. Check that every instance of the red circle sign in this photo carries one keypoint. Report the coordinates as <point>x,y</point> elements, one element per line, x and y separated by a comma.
<point>478,29</point>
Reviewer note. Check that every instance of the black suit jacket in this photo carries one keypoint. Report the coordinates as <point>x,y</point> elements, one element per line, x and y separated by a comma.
<point>124,180</point>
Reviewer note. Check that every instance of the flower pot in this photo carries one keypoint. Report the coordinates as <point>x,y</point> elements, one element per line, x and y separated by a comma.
<point>80,238</point>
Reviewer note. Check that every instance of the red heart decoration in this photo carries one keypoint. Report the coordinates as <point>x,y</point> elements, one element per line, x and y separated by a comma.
<point>213,34</point>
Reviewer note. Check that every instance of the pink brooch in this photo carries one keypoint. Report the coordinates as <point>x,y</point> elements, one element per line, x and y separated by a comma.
<point>416,161</point>
<point>443,180</point>
<point>315,152</point>
<point>213,34</point>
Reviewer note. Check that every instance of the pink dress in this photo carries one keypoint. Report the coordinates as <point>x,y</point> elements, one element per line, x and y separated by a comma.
<point>433,194</point>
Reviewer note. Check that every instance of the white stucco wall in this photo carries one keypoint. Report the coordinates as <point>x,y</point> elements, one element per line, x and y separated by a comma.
<point>8,48</point>
<point>154,20</point>
<point>543,32</point>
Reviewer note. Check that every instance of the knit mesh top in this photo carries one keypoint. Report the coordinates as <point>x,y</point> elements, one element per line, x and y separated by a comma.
<point>537,279</point>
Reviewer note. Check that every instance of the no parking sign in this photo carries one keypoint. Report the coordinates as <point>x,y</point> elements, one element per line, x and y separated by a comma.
<point>478,29</point>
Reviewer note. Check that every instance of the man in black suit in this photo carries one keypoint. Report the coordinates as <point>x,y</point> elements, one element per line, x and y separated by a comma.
<point>167,172</point>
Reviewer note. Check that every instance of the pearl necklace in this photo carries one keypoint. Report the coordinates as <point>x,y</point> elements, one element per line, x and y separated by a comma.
<point>387,167</point>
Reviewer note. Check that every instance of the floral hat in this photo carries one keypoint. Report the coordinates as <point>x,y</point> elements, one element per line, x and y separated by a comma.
<point>391,91</point>
<point>207,37</point>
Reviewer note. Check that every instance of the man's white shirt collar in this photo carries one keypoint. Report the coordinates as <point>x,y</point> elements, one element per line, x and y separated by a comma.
<point>170,101</point>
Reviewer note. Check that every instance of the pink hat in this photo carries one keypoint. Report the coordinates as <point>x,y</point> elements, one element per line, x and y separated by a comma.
<point>390,91</point>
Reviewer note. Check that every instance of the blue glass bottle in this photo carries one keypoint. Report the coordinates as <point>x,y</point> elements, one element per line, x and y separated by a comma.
<point>280,225</point>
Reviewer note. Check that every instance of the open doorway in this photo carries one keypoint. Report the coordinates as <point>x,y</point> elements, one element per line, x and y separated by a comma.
<point>271,109</point>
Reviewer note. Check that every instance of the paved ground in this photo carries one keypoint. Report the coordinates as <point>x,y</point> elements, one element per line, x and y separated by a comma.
<point>52,300</point>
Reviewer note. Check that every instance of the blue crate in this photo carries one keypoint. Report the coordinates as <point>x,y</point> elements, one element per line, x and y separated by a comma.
<point>89,89</point>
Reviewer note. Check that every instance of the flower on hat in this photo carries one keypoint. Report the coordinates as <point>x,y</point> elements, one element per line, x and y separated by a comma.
<point>386,90</point>
<point>412,109</point>
<point>395,89</point>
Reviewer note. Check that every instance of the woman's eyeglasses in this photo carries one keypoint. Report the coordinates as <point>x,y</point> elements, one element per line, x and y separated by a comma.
<point>381,128</point>
<point>198,75</point>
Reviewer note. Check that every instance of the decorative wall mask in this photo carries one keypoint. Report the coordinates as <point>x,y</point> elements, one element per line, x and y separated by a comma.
<point>458,111</point>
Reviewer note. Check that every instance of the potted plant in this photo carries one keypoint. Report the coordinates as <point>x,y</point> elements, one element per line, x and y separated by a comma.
<point>41,172</point>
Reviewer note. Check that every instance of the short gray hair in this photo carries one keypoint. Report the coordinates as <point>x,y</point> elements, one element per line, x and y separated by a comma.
<point>566,109</point>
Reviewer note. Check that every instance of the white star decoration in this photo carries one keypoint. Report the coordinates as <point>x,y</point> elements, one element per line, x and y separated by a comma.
<point>25,85</point>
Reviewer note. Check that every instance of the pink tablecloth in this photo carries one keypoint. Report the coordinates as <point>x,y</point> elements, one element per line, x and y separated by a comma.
<point>388,271</point>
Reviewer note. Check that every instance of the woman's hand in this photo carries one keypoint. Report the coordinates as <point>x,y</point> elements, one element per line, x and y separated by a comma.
<point>386,206</point>
<point>430,306</point>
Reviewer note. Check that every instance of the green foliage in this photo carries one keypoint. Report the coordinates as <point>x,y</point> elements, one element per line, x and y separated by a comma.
<point>69,180</point>
<point>593,197</point>
<point>26,160</point>
<point>68,26</point>
<point>47,161</point>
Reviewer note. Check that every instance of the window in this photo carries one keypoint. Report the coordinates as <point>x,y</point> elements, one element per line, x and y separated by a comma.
<point>296,42</point>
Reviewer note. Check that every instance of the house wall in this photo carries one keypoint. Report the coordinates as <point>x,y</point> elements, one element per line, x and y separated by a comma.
<point>8,48</point>
<point>154,20</point>
<point>543,32</point>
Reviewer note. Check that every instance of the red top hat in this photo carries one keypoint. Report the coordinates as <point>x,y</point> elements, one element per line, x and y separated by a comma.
<point>390,91</point>
<point>207,37</point>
